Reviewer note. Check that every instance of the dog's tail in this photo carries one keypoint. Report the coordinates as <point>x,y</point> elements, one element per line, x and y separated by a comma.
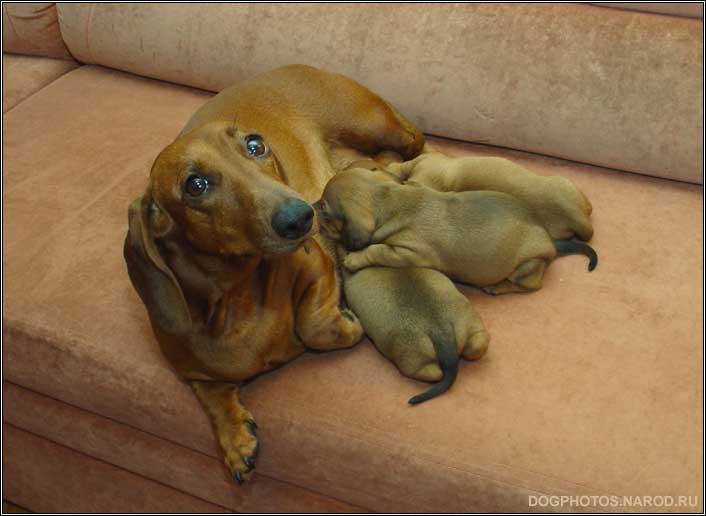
<point>573,247</point>
<point>448,361</point>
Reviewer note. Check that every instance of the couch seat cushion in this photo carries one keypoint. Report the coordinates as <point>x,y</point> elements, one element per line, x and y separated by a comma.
<point>25,75</point>
<point>592,385</point>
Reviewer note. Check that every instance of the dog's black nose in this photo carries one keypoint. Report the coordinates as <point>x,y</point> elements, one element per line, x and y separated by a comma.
<point>293,219</point>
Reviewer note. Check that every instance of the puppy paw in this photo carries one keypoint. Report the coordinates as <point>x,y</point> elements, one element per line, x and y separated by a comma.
<point>477,345</point>
<point>240,448</point>
<point>494,290</point>
<point>354,262</point>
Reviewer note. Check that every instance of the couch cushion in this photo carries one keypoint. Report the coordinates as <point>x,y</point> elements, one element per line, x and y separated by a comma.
<point>613,88</point>
<point>32,28</point>
<point>48,478</point>
<point>25,75</point>
<point>148,456</point>
<point>592,385</point>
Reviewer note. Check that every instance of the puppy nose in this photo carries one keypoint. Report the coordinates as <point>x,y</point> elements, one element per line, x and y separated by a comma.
<point>293,219</point>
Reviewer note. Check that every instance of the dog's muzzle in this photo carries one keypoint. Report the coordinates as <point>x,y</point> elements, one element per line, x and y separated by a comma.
<point>293,219</point>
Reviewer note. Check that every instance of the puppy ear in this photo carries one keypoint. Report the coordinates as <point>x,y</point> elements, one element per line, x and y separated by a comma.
<point>357,230</point>
<point>150,275</point>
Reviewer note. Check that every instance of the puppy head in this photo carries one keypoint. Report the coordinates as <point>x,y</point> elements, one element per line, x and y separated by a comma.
<point>222,188</point>
<point>346,211</point>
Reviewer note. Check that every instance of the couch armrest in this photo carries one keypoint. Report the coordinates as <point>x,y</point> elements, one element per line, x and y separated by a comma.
<point>32,29</point>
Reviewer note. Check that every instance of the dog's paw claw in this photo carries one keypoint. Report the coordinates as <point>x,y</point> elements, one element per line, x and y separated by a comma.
<point>240,451</point>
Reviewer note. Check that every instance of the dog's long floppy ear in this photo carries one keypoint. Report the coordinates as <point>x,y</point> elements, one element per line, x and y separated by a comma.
<point>358,229</point>
<point>150,275</point>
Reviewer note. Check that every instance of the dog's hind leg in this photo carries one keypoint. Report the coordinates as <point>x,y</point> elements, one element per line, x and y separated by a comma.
<point>526,278</point>
<point>428,373</point>
<point>373,126</point>
<point>476,345</point>
<point>412,352</point>
<point>233,425</point>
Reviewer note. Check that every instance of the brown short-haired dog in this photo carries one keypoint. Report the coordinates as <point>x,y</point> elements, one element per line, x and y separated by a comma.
<point>487,239</point>
<point>220,245</point>
<point>559,206</point>
<point>418,320</point>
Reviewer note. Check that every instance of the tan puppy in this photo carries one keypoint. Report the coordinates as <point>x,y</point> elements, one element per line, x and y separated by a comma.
<point>556,202</point>
<point>220,246</point>
<point>487,239</point>
<point>417,319</point>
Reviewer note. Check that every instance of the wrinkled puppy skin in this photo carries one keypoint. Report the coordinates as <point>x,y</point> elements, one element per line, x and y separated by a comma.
<point>415,316</point>
<point>419,321</point>
<point>487,239</point>
<point>555,201</point>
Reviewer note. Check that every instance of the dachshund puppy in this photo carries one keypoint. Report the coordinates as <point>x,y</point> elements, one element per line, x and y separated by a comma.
<point>418,320</point>
<point>555,201</point>
<point>487,239</point>
<point>222,245</point>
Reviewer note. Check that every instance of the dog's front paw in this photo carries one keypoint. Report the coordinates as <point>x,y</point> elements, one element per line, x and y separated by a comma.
<point>240,448</point>
<point>348,314</point>
<point>354,330</point>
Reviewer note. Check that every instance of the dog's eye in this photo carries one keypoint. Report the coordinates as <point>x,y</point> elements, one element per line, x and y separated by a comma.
<point>255,146</point>
<point>196,185</point>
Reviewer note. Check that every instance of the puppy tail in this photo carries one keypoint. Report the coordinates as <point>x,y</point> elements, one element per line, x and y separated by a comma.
<point>448,361</point>
<point>574,247</point>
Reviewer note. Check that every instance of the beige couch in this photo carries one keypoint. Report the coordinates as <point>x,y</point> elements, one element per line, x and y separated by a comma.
<point>592,386</point>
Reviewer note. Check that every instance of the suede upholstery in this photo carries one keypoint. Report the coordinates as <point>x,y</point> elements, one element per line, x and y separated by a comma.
<point>25,75</point>
<point>615,88</point>
<point>32,29</point>
<point>591,386</point>
<point>688,9</point>
<point>198,474</point>
<point>50,478</point>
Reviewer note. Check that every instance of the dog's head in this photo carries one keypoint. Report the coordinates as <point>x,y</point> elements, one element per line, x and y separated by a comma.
<point>219,190</point>
<point>223,189</point>
<point>346,210</point>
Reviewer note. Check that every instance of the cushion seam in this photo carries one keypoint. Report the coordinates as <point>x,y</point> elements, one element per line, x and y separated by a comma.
<point>26,333</point>
<point>40,89</point>
<point>84,454</point>
<point>12,326</point>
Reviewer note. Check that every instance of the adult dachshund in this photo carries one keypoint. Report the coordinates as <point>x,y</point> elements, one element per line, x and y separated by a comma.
<point>220,246</point>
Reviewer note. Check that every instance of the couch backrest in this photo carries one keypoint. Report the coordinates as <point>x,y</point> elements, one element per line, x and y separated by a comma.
<point>32,29</point>
<point>688,9</point>
<point>614,88</point>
